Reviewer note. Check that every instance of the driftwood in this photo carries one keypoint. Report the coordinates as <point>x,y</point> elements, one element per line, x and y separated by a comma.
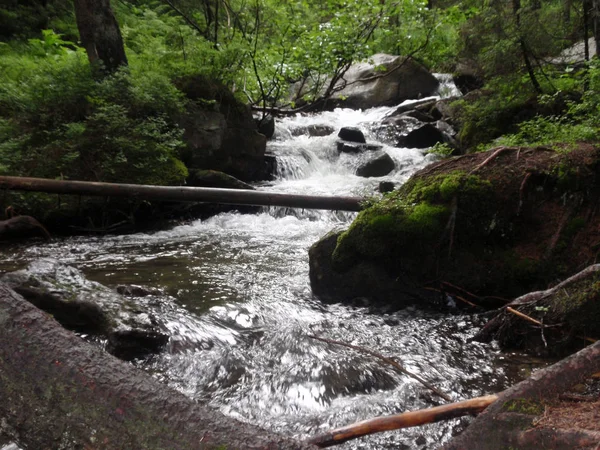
<point>404,420</point>
<point>181,194</point>
<point>22,226</point>
<point>59,391</point>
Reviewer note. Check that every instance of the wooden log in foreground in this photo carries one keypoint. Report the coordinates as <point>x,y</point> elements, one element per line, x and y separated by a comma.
<point>181,193</point>
<point>58,391</point>
<point>404,420</point>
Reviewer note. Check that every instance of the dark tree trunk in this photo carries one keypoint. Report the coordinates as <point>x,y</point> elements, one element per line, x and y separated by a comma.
<point>516,4</point>
<point>100,34</point>
<point>595,16</point>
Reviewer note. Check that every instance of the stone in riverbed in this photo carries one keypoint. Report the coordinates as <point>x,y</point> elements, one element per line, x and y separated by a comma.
<point>377,167</point>
<point>352,134</point>
<point>89,307</point>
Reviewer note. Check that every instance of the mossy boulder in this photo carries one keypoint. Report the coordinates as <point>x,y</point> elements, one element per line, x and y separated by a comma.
<point>220,132</point>
<point>495,224</point>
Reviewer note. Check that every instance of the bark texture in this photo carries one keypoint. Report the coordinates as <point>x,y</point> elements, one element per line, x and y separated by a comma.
<point>58,391</point>
<point>100,34</point>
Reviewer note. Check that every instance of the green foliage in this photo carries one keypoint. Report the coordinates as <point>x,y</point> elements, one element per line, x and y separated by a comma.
<point>441,149</point>
<point>123,128</point>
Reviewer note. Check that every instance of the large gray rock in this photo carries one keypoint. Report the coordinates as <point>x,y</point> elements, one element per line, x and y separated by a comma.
<point>391,80</point>
<point>86,306</point>
<point>220,132</point>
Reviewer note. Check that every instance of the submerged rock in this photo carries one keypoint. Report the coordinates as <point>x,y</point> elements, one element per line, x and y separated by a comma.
<point>496,224</point>
<point>351,147</point>
<point>89,307</point>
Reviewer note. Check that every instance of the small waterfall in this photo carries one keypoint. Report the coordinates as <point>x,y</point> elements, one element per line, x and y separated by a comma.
<point>238,304</point>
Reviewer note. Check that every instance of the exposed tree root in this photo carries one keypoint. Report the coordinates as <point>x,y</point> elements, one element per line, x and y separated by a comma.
<point>522,191</point>
<point>492,157</point>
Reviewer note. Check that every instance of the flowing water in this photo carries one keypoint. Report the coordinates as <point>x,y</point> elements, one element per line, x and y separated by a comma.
<point>238,304</point>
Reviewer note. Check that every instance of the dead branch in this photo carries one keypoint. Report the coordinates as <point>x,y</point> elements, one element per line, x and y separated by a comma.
<point>387,360</point>
<point>404,420</point>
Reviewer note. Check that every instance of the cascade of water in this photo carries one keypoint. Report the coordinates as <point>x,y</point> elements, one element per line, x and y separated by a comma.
<point>238,304</point>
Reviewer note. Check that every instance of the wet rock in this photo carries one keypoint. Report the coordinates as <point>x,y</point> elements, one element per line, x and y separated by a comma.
<point>316,130</point>
<point>406,79</point>
<point>392,128</point>
<point>266,126</point>
<point>89,307</point>
<point>421,116</point>
<point>364,279</point>
<point>386,186</point>
<point>377,167</point>
<point>352,134</point>
<point>215,179</point>
<point>423,137</point>
<point>270,166</point>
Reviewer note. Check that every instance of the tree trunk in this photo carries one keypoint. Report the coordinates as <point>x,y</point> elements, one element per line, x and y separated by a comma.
<point>595,16</point>
<point>100,34</point>
<point>516,4</point>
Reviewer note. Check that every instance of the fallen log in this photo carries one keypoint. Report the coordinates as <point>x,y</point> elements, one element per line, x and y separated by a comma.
<point>404,420</point>
<point>181,193</point>
<point>59,391</point>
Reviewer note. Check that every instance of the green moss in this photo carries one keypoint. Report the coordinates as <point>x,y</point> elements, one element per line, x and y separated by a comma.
<point>410,220</point>
<point>524,406</point>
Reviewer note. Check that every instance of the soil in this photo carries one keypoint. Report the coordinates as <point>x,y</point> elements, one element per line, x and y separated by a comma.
<point>578,409</point>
